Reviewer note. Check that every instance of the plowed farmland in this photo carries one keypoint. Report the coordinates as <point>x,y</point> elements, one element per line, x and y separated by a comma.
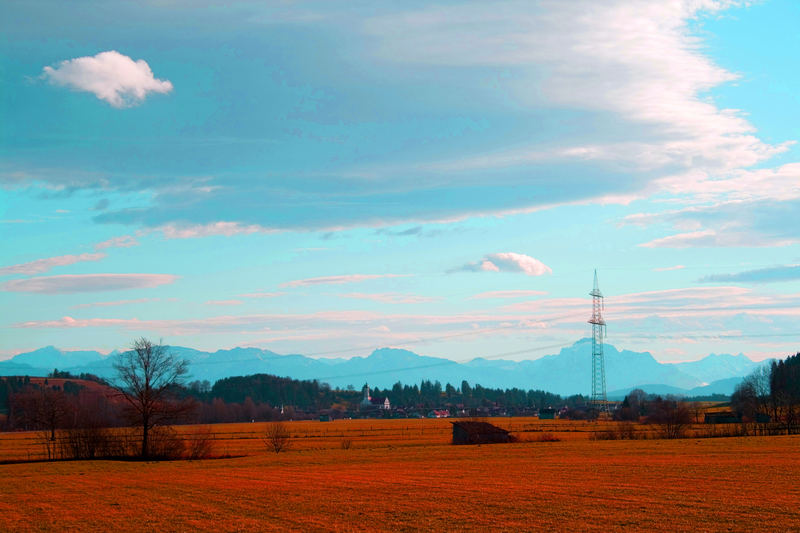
<point>403,476</point>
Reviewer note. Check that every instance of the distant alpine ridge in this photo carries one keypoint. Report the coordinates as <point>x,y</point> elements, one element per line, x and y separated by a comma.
<point>565,373</point>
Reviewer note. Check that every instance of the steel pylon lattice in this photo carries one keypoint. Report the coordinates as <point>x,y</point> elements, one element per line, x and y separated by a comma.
<point>598,399</point>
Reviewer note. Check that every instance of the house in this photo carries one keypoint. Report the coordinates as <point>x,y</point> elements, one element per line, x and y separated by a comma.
<point>467,432</point>
<point>548,413</point>
<point>439,413</point>
<point>380,403</point>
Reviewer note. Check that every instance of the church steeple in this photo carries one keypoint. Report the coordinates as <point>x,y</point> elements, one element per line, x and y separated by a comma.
<point>367,399</point>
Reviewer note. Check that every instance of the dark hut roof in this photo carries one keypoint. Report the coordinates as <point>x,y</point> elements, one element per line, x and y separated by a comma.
<point>480,428</point>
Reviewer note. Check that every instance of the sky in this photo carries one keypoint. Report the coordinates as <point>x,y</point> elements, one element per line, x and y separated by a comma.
<point>328,178</point>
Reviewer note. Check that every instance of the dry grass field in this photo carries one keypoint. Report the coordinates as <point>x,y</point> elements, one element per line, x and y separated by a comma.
<point>402,475</point>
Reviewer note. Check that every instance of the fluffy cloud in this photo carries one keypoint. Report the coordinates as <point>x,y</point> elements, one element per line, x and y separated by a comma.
<point>111,76</point>
<point>508,262</point>
<point>87,283</point>
<point>43,265</point>
<point>337,280</point>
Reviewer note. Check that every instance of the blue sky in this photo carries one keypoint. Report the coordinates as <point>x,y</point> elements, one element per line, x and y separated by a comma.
<point>328,178</point>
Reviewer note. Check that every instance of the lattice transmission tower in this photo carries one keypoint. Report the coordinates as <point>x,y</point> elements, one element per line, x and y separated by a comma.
<point>598,399</point>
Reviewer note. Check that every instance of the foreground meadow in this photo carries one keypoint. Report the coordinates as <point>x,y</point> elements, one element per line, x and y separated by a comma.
<point>402,480</point>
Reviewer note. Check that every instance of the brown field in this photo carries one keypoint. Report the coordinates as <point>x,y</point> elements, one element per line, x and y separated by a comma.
<point>402,475</point>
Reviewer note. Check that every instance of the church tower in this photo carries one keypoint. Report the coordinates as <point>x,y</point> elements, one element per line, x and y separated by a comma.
<point>367,401</point>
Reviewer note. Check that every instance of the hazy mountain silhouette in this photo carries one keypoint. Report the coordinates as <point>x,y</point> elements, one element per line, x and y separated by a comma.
<point>567,372</point>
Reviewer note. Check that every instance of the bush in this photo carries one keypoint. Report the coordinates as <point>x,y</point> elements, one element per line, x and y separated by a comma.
<point>346,444</point>
<point>672,417</point>
<point>623,431</point>
<point>201,444</point>
<point>164,443</point>
<point>277,437</point>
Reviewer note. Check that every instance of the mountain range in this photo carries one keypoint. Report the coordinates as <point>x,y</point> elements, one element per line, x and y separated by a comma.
<point>567,372</point>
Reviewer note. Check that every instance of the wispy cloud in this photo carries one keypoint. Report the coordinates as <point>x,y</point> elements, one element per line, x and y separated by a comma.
<point>701,238</point>
<point>507,262</point>
<point>224,302</point>
<point>390,297</point>
<point>637,59</point>
<point>338,280</point>
<point>227,229</point>
<point>87,283</point>
<point>116,303</point>
<point>43,265</point>
<point>124,241</point>
<point>761,275</point>
<point>110,76</point>
<point>668,269</point>
<point>506,294</point>
<point>262,294</point>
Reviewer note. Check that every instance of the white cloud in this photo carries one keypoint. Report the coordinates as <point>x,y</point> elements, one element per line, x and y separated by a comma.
<point>508,262</point>
<point>43,265</point>
<point>87,283</point>
<point>637,59</point>
<point>111,76</point>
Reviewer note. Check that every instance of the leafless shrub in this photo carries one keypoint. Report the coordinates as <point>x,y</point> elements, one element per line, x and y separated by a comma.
<point>546,437</point>
<point>346,444</point>
<point>627,431</point>
<point>603,435</point>
<point>164,443</point>
<point>623,431</point>
<point>201,444</point>
<point>672,418</point>
<point>277,437</point>
<point>86,443</point>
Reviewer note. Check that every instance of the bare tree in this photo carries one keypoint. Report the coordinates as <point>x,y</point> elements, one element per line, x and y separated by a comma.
<point>672,416</point>
<point>44,409</point>
<point>277,437</point>
<point>147,378</point>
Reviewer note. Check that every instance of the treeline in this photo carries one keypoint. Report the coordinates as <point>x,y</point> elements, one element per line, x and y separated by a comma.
<point>771,393</point>
<point>261,397</point>
<point>429,395</point>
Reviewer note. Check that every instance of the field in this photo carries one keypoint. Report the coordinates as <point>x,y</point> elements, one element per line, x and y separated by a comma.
<point>402,475</point>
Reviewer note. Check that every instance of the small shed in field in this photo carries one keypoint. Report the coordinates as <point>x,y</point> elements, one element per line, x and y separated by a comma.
<point>478,433</point>
<point>722,417</point>
<point>548,413</point>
